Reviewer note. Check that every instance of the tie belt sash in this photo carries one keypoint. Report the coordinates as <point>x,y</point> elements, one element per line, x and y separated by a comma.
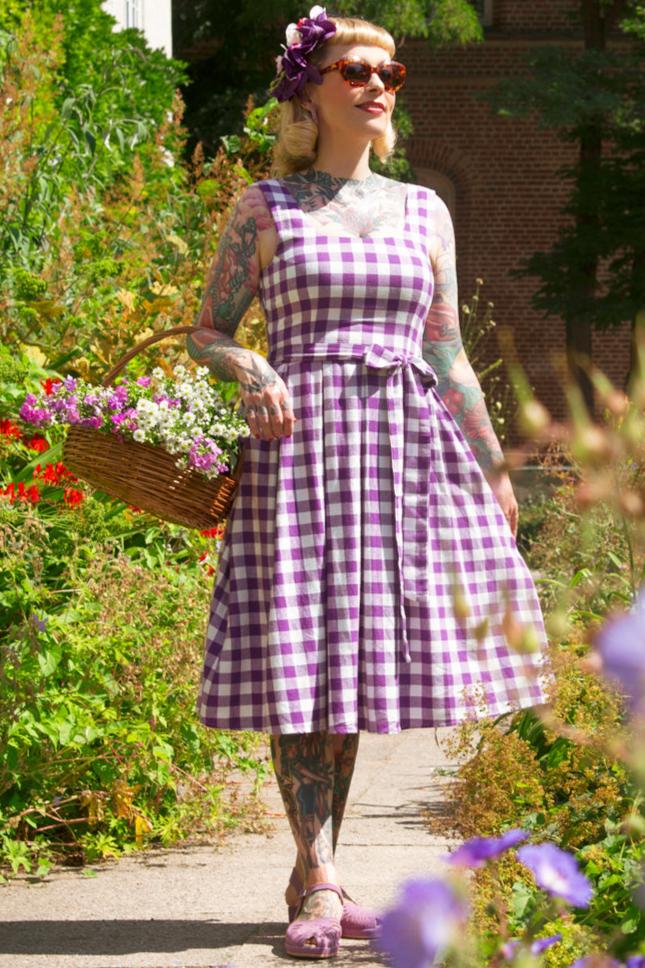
<point>410,448</point>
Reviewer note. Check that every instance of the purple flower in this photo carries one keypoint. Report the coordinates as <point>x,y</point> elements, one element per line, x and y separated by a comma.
<point>541,944</point>
<point>429,915</point>
<point>70,383</point>
<point>34,415</point>
<point>39,623</point>
<point>204,453</point>
<point>475,852</point>
<point>295,69</point>
<point>95,422</point>
<point>144,381</point>
<point>621,644</point>
<point>509,948</point>
<point>635,961</point>
<point>556,871</point>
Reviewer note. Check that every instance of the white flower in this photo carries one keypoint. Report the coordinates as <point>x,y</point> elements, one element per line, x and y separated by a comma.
<point>316,11</point>
<point>158,373</point>
<point>293,35</point>
<point>139,435</point>
<point>168,158</point>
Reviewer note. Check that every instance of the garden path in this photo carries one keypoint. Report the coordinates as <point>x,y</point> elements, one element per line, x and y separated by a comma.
<point>215,907</point>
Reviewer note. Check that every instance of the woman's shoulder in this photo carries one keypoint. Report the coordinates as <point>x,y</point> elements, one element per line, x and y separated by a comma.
<point>422,191</point>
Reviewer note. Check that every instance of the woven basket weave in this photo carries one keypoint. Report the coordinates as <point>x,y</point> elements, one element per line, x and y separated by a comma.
<point>146,475</point>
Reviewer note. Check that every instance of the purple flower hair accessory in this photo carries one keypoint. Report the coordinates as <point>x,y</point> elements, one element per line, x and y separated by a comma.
<point>293,70</point>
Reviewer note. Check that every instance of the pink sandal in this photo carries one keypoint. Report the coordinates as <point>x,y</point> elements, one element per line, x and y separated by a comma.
<point>357,922</point>
<point>326,932</point>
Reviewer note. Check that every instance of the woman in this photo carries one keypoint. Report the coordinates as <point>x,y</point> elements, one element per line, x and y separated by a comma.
<point>369,574</point>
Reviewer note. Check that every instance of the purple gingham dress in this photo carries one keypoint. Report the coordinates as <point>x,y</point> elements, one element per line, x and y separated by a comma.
<point>333,607</point>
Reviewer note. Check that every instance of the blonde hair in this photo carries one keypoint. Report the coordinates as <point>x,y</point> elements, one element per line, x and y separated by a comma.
<point>297,137</point>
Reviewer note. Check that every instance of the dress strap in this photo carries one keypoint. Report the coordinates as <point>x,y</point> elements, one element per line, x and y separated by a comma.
<point>420,213</point>
<point>287,216</point>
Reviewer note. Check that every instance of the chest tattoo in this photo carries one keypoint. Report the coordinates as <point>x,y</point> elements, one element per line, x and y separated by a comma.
<point>345,206</point>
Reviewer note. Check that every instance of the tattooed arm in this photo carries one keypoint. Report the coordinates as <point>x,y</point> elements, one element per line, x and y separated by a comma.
<point>444,350</point>
<point>458,384</point>
<point>231,285</point>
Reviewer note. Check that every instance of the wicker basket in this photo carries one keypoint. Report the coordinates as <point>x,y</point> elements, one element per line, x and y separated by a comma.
<point>145,475</point>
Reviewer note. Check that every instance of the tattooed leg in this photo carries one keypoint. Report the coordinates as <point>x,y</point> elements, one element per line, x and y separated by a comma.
<point>345,750</point>
<point>345,747</point>
<point>304,765</point>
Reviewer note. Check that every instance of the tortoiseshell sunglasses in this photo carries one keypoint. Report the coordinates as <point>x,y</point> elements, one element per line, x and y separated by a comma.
<point>357,73</point>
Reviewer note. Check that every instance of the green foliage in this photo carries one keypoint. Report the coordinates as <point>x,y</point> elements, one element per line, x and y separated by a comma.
<point>101,751</point>
<point>557,774</point>
<point>239,53</point>
<point>595,99</point>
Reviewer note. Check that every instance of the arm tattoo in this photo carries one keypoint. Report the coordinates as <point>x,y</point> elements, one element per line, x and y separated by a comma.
<point>443,349</point>
<point>231,285</point>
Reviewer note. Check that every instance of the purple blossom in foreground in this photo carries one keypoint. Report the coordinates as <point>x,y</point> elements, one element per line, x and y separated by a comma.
<point>556,871</point>
<point>144,381</point>
<point>509,948</point>
<point>541,944</point>
<point>621,644</point>
<point>40,624</point>
<point>428,915</point>
<point>635,961</point>
<point>475,852</point>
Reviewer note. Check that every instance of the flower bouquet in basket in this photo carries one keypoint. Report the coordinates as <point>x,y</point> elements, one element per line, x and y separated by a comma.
<point>170,446</point>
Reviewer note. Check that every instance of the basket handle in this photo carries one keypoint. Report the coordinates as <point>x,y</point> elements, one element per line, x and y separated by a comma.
<point>176,330</point>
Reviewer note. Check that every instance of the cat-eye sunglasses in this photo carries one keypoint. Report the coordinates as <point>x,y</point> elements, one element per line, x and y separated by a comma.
<point>358,73</point>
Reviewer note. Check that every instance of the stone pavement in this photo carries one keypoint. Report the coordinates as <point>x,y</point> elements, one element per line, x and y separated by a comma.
<point>215,907</point>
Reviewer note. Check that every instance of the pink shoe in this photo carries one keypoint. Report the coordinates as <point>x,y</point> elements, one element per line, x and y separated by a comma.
<point>357,922</point>
<point>326,932</point>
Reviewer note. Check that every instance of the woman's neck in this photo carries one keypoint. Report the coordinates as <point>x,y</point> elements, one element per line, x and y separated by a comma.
<point>328,180</point>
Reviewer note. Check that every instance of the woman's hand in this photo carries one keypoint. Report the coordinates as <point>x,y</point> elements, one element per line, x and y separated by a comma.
<point>265,401</point>
<point>503,490</point>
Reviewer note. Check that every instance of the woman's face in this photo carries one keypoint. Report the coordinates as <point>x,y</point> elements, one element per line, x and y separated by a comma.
<point>340,105</point>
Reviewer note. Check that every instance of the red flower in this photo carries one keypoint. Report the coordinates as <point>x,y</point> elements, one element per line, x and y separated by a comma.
<point>33,494</point>
<point>216,532</point>
<point>48,385</point>
<point>37,443</point>
<point>72,497</point>
<point>54,473</point>
<point>8,429</point>
<point>27,494</point>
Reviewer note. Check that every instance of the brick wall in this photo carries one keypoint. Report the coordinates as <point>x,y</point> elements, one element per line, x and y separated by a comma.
<point>499,178</point>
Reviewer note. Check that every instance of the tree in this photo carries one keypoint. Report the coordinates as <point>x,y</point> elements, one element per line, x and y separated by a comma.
<point>232,51</point>
<point>597,100</point>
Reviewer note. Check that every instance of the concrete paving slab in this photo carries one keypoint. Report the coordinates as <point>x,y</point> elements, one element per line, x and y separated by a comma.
<point>210,907</point>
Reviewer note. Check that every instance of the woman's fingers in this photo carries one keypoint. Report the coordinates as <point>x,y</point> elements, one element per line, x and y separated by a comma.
<point>269,419</point>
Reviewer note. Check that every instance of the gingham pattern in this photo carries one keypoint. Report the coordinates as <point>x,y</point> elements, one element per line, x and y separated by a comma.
<point>333,599</point>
